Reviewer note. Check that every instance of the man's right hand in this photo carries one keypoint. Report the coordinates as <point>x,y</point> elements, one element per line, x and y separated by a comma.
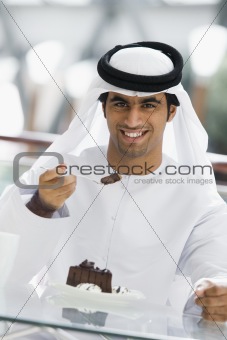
<point>55,198</point>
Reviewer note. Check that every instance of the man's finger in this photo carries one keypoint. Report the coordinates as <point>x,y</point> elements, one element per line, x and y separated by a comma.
<point>50,174</point>
<point>66,181</point>
<point>216,310</point>
<point>202,287</point>
<point>216,290</point>
<point>57,183</point>
<point>212,301</point>
<point>214,317</point>
<point>212,290</point>
<point>64,190</point>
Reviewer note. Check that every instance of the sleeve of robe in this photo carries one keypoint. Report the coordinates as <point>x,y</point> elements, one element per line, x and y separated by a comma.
<point>205,253</point>
<point>38,236</point>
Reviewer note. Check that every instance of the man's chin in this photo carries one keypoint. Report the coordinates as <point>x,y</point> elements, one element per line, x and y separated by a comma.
<point>131,153</point>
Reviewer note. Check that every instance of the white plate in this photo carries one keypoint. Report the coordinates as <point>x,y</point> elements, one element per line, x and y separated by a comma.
<point>65,296</point>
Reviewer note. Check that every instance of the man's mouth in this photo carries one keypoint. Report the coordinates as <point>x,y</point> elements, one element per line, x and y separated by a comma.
<point>134,134</point>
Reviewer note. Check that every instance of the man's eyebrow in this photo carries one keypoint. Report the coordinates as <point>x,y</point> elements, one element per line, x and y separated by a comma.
<point>151,99</point>
<point>118,99</point>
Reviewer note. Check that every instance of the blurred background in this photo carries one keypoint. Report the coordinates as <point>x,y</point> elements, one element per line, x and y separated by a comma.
<point>49,51</point>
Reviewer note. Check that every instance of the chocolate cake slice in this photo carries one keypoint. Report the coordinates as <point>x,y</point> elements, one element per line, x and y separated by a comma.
<point>87,273</point>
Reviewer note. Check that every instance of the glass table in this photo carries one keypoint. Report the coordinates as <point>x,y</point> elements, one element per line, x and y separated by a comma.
<point>66,316</point>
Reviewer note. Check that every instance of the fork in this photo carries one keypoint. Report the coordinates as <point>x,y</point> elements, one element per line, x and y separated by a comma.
<point>77,175</point>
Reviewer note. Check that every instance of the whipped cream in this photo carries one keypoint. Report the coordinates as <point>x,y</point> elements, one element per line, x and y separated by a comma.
<point>91,287</point>
<point>129,292</point>
<point>120,290</point>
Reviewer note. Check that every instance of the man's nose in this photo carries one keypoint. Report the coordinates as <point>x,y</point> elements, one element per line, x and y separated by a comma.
<point>133,117</point>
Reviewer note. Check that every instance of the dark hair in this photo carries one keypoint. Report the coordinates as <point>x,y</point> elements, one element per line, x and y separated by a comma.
<point>171,99</point>
<point>103,97</point>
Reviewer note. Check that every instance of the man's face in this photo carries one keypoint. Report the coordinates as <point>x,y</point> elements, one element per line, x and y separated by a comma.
<point>136,124</point>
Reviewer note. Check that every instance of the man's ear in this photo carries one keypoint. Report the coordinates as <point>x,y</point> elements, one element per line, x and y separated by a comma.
<point>172,112</point>
<point>104,108</point>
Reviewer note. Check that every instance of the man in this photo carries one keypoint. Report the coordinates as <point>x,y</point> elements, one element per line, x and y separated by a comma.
<point>161,219</point>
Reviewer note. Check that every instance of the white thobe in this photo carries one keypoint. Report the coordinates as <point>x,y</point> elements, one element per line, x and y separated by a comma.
<point>145,233</point>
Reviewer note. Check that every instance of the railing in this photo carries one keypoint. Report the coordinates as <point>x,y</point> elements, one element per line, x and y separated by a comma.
<point>31,138</point>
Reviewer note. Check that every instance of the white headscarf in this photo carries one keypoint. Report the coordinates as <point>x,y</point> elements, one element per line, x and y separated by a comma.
<point>185,139</point>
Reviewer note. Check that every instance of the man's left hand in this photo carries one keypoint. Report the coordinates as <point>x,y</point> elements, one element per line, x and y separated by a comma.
<point>212,297</point>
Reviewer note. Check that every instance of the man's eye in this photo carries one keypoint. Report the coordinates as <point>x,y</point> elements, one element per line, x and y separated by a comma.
<point>121,104</point>
<point>149,106</point>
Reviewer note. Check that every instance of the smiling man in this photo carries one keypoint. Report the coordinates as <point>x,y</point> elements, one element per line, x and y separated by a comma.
<point>136,126</point>
<point>146,230</point>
